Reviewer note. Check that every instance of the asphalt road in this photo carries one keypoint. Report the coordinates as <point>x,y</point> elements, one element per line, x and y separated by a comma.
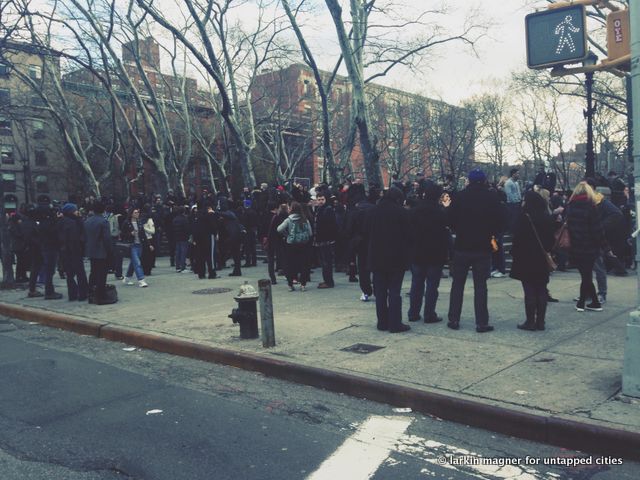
<point>79,408</point>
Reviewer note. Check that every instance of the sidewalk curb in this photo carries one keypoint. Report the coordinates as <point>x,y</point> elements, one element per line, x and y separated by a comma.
<point>578,435</point>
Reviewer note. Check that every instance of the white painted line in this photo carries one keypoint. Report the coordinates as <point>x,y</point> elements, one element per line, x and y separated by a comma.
<point>360,456</point>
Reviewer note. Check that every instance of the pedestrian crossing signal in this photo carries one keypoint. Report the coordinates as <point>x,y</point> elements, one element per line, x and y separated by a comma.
<point>556,37</point>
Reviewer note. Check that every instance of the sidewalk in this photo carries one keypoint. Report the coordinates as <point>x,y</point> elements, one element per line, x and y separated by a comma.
<point>572,371</point>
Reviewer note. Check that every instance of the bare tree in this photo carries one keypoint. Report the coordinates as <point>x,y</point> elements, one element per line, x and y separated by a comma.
<point>378,46</point>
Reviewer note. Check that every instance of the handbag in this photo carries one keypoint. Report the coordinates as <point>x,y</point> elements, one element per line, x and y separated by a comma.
<point>563,238</point>
<point>551,265</point>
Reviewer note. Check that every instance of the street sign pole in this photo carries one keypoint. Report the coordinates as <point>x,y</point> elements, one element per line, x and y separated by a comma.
<point>631,369</point>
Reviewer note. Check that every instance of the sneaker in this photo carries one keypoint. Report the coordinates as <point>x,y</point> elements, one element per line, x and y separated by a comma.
<point>497,274</point>
<point>594,307</point>
<point>127,281</point>
<point>602,298</point>
<point>143,284</point>
<point>364,297</point>
<point>580,306</point>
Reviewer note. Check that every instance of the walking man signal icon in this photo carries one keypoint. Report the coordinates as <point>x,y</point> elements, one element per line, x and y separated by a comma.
<point>564,29</point>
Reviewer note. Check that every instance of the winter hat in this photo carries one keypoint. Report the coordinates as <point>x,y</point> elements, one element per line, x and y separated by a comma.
<point>69,208</point>
<point>477,176</point>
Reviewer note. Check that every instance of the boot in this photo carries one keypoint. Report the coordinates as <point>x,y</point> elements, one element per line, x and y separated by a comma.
<point>541,311</point>
<point>530,312</point>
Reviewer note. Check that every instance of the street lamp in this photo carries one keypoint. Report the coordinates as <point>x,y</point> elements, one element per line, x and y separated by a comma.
<point>590,158</point>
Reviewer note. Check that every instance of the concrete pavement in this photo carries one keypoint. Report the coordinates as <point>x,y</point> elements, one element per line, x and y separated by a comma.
<point>560,386</point>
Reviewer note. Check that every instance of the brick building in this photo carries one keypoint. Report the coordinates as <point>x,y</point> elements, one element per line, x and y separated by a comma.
<point>32,155</point>
<point>411,129</point>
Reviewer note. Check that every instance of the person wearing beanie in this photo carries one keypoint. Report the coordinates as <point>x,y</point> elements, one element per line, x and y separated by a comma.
<point>71,234</point>
<point>387,226</point>
<point>98,250</point>
<point>475,215</point>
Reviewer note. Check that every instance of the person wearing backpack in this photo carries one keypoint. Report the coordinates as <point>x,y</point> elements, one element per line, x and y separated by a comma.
<point>297,231</point>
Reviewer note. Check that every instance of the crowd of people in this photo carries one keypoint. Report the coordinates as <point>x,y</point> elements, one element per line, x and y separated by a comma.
<point>374,237</point>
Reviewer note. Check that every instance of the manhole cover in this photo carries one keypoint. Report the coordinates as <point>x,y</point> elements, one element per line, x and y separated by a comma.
<point>212,291</point>
<point>362,348</point>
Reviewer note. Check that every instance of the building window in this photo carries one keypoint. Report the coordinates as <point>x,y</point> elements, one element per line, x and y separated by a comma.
<point>37,101</point>
<point>6,154</point>
<point>5,96</point>
<point>9,181</point>
<point>41,158</point>
<point>5,125</point>
<point>38,128</point>
<point>35,72</point>
<point>4,69</point>
<point>42,186</point>
<point>10,202</point>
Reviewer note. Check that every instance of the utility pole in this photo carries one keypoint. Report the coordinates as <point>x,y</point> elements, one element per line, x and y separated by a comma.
<point>631,369</point>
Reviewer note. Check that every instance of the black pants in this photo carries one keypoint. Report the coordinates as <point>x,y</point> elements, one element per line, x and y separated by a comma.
<point>298,263</point>
<point>364,273</point>
<point>249,246</point>
<point>77,288</point>
<point>35,266</point>
<point>535,302</point>
<point>386,286</point>
<point>271,264</point>
<point>480,262</point>
<point>98,276</point>
<point>22,265</point>
<point>205,256</point>
<point>325,255</point>
<point>587,288</point>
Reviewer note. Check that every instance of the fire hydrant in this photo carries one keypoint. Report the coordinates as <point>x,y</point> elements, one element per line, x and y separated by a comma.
<point>247,313</point>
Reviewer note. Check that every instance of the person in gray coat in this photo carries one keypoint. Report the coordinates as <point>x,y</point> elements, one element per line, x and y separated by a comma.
<point>97,249</point>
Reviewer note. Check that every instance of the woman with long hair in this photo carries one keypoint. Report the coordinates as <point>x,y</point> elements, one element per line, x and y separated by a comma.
<point>297,232</point>
<point>532,237</point>
<point>587,241</point>
<point>134,233</point>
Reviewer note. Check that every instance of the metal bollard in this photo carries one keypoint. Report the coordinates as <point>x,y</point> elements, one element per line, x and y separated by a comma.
<point>266,314</point>
<point>246,314</point>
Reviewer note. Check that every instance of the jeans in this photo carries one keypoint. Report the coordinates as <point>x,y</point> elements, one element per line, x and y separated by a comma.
<point>480,262</point>
<point>325,255</point>
<point>601,275</point>
<point>181,254</point>
<point>134,264</point>
<point>77,287</point>
<point>50,259</point>
<point>386,287</point>
<point>429,274</point>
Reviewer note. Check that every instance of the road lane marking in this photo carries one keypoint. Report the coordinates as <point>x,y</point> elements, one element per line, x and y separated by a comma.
<point>360,456</point>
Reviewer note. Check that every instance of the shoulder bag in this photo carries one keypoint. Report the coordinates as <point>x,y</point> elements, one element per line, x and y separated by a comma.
<point>551,265</point>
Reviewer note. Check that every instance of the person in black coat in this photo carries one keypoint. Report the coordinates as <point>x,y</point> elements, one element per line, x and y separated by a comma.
<point>72,248</point>
<point>529,260</point>
<point>50,247</point>
<point>31,236</point>
<point>180,231</point>
<point>429,251</point>
<point>231,233</point>
<point>388,232</point>
<point>325,234</point>
<point>275,243</point>
<point>249,219</point>
<point>98,250</point>
<point>359,240</point>
<point>204,232</point>
<point>475,215</point>
<point>587,241</point>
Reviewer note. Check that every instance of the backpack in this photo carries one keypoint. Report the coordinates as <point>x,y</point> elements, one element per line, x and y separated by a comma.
<point>299,233</point>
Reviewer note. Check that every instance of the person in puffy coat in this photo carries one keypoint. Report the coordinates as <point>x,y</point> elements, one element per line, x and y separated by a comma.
<point>587,242</point>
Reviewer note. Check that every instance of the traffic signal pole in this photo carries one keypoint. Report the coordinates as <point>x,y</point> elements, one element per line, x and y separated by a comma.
<point>631,369</point>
